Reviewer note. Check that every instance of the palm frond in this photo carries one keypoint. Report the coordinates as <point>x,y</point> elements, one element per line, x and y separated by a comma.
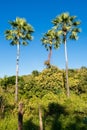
<point>13,24</point>
<point>25,43</point>
<point>73,36</point>
<point>76,23</point>
<point>72,18</point>
<point>12,43</point>
<point>78,30</point>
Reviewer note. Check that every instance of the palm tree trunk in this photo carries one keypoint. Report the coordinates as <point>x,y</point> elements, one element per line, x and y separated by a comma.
<point>66,58</point>
<point>50,54</point>
<point>20,117</point>
<point>40,119</point>
<point>17,72</point>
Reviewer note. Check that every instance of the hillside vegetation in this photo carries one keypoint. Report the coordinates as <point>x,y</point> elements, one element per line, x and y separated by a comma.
<point>46,90</point>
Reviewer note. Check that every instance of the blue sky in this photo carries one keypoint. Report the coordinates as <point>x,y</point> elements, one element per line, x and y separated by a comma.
<point>40,13</point>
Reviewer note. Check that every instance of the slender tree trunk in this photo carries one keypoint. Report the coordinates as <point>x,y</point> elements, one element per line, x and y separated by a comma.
<point>66,58</point>
<point>20,117</point>
<point>17,72</point>
<point>40,119</point>
<point>50,54</point>
<point>47,63</point>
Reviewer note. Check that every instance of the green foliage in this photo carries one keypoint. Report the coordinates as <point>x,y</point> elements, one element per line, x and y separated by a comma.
<point>35,73</point>
<point>47,90</point>
<point>78,80</point>
<point>7,83</point>
<point>50,79</point>
<point>9,123</point>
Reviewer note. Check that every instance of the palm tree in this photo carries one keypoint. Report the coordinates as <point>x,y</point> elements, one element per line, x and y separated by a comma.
<point>50,40</point>
<point>67,26</point>
<point>20,33</point>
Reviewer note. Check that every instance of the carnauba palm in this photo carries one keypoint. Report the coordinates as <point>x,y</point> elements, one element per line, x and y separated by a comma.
<point>67,27</point>
<point>50,40</point>
<point>20,33</point>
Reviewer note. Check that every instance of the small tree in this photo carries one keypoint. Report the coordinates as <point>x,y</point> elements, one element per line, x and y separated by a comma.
<point>19,34</point>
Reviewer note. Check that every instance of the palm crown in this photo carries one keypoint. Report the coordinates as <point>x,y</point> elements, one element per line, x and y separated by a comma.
<point>50,39</point>
<point>66,25</point>
<point>20,33</point>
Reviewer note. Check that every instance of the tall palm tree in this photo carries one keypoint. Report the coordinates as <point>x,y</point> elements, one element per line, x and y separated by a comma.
<point>19,33</point>
<point>67,26</point>
<point>50,40</point>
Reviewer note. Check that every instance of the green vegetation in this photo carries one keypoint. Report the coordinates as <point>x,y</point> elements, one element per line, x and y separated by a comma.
<point>46,89</point>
